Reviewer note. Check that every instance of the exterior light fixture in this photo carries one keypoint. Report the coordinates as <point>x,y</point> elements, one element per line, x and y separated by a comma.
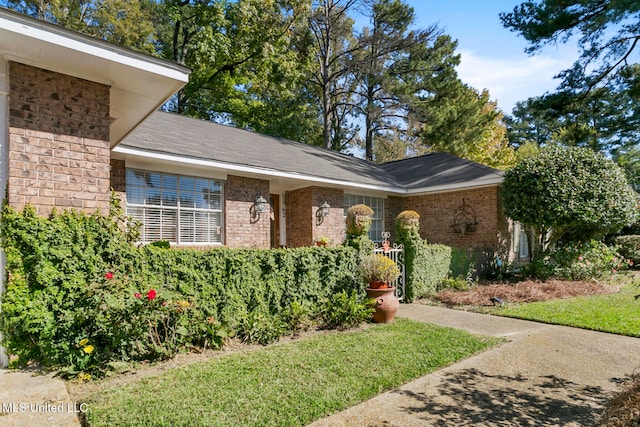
<point>324,209</point>
<point>322,212</point>
<point>259,206</point>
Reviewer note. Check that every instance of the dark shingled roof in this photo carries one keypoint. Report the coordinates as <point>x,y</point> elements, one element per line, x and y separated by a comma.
<point>176,135</point>
<point>438,169</point>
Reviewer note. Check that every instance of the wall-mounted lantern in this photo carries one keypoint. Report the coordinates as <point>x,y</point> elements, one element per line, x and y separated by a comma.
<point>322,212</point>
<point>260,206</point>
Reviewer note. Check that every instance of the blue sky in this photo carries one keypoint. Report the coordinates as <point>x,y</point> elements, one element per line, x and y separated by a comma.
<point>493,57</point>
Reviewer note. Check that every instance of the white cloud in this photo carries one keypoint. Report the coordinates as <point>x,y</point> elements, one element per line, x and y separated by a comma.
<point>511,80</point>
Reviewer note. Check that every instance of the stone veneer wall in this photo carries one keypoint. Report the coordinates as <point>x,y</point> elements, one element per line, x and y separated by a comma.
<point>240,230</point>
<point>59,152</point>
<point>437,212</point>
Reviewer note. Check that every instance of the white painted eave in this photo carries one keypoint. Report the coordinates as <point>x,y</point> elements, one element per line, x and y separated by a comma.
<point>139,83</point>
<point>265,173</point>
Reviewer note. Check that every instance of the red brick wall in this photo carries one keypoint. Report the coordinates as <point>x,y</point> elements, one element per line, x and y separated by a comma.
<point>332,226</point>
<point>58,141</point>
<point>119,179</point>
<point>392,207</point>
<point>437,213</point>
<point>240,229</point>
<point>299,217</point>
<point>303,226</point>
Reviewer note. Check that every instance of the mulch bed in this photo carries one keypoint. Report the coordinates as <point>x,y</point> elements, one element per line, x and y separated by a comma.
<point>523,291</point>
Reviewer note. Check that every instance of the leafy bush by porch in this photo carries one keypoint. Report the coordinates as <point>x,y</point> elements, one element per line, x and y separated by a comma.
<point>629,247</point>
<point>81,295</point>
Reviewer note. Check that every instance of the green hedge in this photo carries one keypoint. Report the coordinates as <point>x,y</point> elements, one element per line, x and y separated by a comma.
<point>80,294</point>
<point>426,265</point>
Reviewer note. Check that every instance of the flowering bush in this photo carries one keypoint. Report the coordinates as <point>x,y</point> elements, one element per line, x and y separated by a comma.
<point>377,267</point>
<point>580,261</point>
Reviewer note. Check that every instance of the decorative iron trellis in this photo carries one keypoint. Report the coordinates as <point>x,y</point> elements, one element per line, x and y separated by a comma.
<point>395,252</point>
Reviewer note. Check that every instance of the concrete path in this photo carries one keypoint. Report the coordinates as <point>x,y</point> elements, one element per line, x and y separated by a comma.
<point>30,399</point>
<point>544,376</point>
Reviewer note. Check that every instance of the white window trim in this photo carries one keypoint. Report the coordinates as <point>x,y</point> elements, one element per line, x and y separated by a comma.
<point>382,216</point>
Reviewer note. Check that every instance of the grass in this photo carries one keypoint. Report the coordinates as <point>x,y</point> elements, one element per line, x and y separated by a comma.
<point>617,313</point>
<point>289,384</point>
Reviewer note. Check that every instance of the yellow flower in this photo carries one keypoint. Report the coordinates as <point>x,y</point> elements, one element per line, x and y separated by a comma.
<point>83,342</point>
<point>84,377</point>
<point>88,349</point>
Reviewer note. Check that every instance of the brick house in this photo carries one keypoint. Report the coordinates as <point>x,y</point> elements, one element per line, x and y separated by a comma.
<point>194,182</point>
<point>78,116</point>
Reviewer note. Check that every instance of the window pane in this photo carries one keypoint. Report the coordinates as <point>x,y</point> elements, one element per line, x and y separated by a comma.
<point>153,197</point>
<point>169,198</point>
<point>153,179</point>
<point>135,195</point>
<point>170,225</point>
<point>187,200</point>
<point>169,181</point>
<point>375,203</point>
<point>180,209</point>
<point>187,183</point>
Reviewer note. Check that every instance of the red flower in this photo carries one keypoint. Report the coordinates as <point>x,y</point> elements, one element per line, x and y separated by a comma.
<point>151,294</point>
<point>108,276</point>
<point>137,295</point>
<point>164,303</point>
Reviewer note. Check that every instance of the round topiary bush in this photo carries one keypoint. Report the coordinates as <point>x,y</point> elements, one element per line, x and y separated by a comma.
<point>359,220</point>
<point>407,223</point>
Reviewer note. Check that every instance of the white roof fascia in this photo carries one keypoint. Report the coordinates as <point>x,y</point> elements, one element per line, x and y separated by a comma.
<point>139,83</point>
<point>56,35</point>
<point>487,182</point>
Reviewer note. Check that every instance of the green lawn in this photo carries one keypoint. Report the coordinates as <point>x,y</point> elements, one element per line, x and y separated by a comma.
<point>617,313</point>
<point>286,385</point>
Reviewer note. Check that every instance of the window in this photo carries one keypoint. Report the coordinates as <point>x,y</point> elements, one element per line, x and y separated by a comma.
<point>180,209</point>
<point>375,203</point>
<point>520,242</point>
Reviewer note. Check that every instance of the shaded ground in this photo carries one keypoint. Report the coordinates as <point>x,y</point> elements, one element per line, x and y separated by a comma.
<point>622,410</point>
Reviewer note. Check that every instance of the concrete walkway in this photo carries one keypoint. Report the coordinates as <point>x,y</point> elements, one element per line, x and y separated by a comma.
<point>544,376</point>
<point>29,399</point>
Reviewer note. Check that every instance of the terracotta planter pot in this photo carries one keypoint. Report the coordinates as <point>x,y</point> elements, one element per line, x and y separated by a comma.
<point>385,303</point>
<point>378,284</point>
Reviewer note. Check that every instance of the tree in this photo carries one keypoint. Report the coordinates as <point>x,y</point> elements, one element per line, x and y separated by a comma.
<point>608,32</point>
<point>455,119</point>
<point>388,61</point>
<point>493,149</point>
<point>332,31</point>
<point>123,22</point>
<point>249,62</point>
<point>568,194</point>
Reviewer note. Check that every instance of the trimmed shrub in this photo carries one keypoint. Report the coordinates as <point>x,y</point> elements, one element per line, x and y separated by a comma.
<point>425,265</point>
<point>80,295</point>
